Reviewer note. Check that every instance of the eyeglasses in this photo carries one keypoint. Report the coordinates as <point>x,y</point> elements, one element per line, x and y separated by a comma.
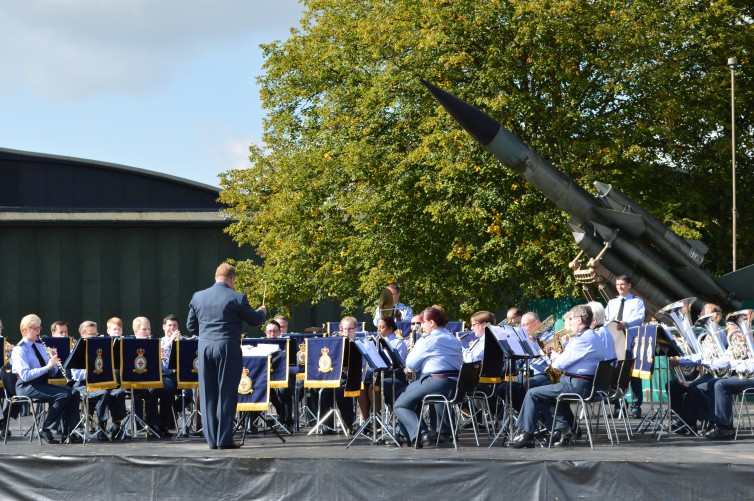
<point>348,328</point>
<point>416,323</point>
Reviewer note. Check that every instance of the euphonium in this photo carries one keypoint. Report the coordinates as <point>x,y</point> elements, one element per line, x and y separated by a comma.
<point>556,343</point>
<point>680,314</point>
<point>740,340</point>
<point>710,342</point>
<point>543,327</point>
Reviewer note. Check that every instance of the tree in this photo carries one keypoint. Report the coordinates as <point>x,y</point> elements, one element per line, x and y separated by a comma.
<point>365,180</point>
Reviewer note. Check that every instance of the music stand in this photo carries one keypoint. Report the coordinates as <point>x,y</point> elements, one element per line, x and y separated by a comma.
<point>660,419</point>
<point>376,361</point>
<point>514,350</point>
<point>183,359</point>
<point>141,368</point>
<point>255,374</point>
<point>319,375</point>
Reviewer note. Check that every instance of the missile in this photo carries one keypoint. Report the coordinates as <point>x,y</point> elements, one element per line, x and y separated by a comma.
<point>656,266</point>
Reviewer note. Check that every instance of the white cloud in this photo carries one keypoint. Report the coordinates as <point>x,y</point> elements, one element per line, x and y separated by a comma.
<point>64,49</point>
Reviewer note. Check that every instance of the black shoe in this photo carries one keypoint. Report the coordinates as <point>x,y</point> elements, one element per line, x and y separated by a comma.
<point>522,441</point>
<point>164,433</point>
<point>101,436</point>
<point>636,413</point>
<point>47,436</point>
<point>234,445</point>
<point>566,437</point>
<point>446,438</point>
<point>114,430</point>
<point>721,434</point>
<point>424,440</point>
<point>74,438</point>
<point>616,412</point>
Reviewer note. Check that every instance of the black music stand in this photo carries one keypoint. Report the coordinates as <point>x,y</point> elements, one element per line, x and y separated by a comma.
<point>661,419</point>
<point>514,351</point>
<point>379,365</point>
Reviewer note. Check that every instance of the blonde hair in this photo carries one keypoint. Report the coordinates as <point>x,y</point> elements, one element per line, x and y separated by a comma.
<point>138,321</point>
<point>30,320</point>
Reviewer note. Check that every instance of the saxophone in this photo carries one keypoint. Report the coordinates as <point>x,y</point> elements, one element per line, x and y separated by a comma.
<point>53,352</point>
<point>556,343</point>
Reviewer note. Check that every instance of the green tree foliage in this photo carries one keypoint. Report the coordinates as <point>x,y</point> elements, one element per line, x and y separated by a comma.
<point>365,180</point>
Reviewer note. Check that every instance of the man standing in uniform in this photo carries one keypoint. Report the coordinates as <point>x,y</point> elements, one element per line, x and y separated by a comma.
<point>217,315</point>
<point>628,311</point>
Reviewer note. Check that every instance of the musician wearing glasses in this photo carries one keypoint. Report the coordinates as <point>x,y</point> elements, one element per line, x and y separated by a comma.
<point>108,402</point>
<point>436,358</point>
<point>399,311</point>
<point>628,311</point>
<point>479,321</point>
<point>34,366</point>
<point>578,362</point>
<point>537,377</point>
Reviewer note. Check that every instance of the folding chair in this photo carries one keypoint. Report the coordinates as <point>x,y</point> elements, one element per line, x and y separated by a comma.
<point>468,377</point>
<point>9,387</point>
<point>598,395</point>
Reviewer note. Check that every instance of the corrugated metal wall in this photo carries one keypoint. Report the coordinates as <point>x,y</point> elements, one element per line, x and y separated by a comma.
<point>94,273</point>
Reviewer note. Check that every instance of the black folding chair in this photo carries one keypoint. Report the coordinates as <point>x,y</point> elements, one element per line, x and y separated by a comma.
<point>9,387</point>
<point>468,377</point>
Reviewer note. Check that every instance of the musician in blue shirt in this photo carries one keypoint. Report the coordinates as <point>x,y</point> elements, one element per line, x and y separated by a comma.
<point>628,311</point>
<point>578,362</point>
<point>436,358</point>
<point>33,366</point>
<point>399,311</point>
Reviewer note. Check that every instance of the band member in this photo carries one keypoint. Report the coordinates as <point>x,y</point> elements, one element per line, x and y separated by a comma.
<point>282,321</point>
<point>513,316</point>
<point>537,366</point>
<point>436,358</point>
<point>628,311</point>
<point>416,331</point>
<point>578,361</point>
<point>692,402</point>
<point>59,329</point>
<point>281,398</point>
<point>217,315</point>
<point>479,322</point>
<point>115,327</point>
<point>400,310</point>
<point>395,382</point>
<point>33,366</point>
<point>167,394</point>
<point>108,402</point>
<point>598,326</point>
<point>722,392</point>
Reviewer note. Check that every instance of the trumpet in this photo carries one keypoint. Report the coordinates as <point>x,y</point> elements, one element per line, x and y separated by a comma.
<point>53,352</point>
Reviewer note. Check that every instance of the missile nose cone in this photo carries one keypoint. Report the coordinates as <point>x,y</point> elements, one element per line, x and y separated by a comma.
<point>603,188</point>
<point>481,126</point>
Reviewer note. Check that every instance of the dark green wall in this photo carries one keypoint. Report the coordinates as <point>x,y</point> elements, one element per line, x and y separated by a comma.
<point>94,273</point>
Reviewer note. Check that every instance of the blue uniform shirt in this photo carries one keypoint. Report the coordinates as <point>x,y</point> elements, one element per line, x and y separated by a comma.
<point>581,355</point>
<point>438,351</point>
<point>399,346</point>
<point>475,352</point>
<point>406,313</point>
<point>25,363</point>
<point>608,340</point>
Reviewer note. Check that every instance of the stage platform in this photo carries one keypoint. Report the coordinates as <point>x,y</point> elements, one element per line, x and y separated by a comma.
<point>321,467</point>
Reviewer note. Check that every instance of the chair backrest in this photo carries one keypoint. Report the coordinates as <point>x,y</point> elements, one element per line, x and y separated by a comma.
<point>602,378</point>
<point>624,379</point>
<point>9,380</point>
<point>468,377</point>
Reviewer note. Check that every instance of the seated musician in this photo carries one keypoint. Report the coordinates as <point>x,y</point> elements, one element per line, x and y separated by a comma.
<point>115,327</point>
<point>722,390</point>
<point>598,326</point>
<point>513,316</point>
<point>59,328</point>
<point>386,328</point>
<point>281,398</point>
<point>112,401</point>
<point>692,401</point>
<point>437,359</point>
<point>400,311</point>
<point>33,367</point>
<point>156,406</point>
<point>578,361</point>
<point>538,375</point>
<point>167,394</point>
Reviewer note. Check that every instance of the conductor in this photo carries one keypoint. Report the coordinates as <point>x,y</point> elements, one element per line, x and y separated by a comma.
<point>217,315</point>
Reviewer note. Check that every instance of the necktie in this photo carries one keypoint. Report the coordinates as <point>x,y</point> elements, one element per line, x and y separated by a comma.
<point>619,317</point>
<point>42,363</point>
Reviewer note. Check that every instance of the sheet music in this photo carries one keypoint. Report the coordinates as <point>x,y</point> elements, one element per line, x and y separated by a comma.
<point>260,350</point>
<point>368,349</point>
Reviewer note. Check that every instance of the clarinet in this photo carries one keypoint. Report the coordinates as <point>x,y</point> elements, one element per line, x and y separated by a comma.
<point>54,352</point>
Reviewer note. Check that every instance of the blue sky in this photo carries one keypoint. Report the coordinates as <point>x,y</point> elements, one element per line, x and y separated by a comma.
<point>163,85</point>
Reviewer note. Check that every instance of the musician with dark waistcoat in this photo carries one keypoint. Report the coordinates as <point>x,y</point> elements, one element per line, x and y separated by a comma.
<point>578,362</point>
<point>34,366</point>
<point>437,359</point>
<point>217,315</point>
<point>628,311</point>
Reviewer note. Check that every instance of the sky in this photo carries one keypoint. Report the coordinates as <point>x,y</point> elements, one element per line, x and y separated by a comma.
<point>163,85</point>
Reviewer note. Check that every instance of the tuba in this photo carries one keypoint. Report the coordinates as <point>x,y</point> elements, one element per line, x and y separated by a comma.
<point>683,335</point>
<point>740,341</point>
<point>710,341</point>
